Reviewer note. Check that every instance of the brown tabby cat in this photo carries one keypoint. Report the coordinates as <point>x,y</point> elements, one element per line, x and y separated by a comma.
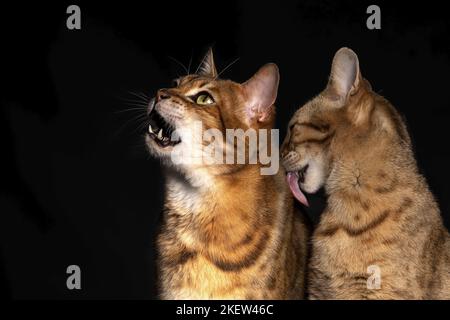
<point>228,231</point>
<point>381,235</point>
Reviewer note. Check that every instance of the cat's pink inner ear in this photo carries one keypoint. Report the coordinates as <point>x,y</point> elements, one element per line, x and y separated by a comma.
<point>345,75</point>
<point>261,93</point>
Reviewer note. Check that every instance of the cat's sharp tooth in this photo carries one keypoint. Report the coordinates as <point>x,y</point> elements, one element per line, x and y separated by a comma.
<point>160,134</point>
<point>150,128</point>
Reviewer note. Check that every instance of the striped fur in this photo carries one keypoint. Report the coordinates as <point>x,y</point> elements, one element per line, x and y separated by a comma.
<point>380,211</point>
<point>228,232</point>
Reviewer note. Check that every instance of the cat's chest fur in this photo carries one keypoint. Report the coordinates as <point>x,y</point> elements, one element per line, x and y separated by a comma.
<point>350,258</point>
<point>351,253</point>
<point>200,279</point>
<point>229,241</point>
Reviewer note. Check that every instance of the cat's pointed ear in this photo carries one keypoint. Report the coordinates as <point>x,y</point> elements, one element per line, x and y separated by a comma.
<point>261,93</point>
<point>207,66</point>
<point>345,77</point>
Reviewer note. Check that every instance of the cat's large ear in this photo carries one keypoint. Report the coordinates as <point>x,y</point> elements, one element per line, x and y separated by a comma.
<point>207,66</point>
<point>345,77</point>
<point>261,93</point>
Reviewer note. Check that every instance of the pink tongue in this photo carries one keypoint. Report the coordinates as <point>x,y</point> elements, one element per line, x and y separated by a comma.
<point>292,179</point>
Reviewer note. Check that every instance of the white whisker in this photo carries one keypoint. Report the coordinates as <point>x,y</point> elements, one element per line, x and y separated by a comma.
<point>131,109</point>
<point>180,64</point>
<point>140,95</point>
<point>228,66</point>
<point>190,62</point>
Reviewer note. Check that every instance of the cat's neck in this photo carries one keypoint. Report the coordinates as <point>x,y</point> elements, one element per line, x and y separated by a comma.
<point>226,209</point>
<point>202,192</point>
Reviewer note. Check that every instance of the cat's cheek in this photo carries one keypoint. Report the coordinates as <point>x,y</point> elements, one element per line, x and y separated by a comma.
<point>173,112</point>
<point>315,177</point>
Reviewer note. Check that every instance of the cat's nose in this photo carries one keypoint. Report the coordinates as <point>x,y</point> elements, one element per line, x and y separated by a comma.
<point>162,94</point>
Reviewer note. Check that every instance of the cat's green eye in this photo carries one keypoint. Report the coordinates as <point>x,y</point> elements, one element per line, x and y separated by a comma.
<point>204,99</point>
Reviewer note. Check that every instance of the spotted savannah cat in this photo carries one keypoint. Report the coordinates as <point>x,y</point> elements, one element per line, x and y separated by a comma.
<point>381,216</point>
<point>228,231</point>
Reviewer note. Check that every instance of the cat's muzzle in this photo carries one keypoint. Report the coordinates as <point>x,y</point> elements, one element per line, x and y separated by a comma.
<point>159,129</point>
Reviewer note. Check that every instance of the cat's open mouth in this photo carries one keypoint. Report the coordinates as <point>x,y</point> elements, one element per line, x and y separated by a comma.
<point>161,131</point>
<point>294,179</point>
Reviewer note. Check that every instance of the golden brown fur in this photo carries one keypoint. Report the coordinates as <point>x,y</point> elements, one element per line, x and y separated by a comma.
<point>228,231</point>
<point>380,211</point>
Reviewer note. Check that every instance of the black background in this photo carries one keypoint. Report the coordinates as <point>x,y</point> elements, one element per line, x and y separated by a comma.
<point>77,186</point>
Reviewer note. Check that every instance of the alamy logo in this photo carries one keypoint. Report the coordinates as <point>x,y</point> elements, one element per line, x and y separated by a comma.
<point>74,280</point>
<point>374,280</point>
<point>211,147</point>
<point>74,20</point>
<point>374,20</point>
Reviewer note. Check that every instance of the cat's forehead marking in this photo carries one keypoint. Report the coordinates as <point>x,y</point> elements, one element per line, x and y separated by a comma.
<point>193,84</point>
<point>193,80</point>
